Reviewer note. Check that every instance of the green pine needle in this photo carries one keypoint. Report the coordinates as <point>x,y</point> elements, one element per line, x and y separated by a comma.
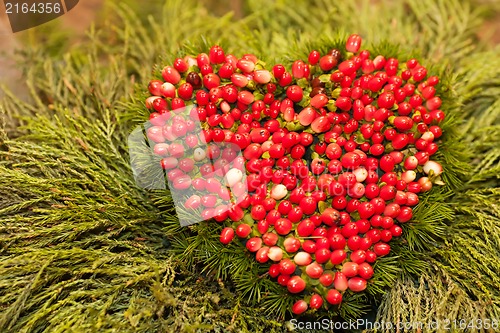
<point>83,248</point>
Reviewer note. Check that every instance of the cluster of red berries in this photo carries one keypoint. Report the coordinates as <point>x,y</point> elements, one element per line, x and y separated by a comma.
<point>335,153</point>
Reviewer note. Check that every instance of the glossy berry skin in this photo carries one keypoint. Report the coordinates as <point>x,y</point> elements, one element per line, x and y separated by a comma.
<point>324,181</point>
<point>298,69</point>
<point>350,269</point>
<point>226,235</point>
<point>274,270</point>
<point>334,297</point>
<point>171,75</point>
<point>322,255</point>
<point>262,255</point>
<point>294,93</point>
<point>243,230</point>
<point>254,244</point>
<point>357,284</point>
<point>299,307</point>
<point>270,238</point>
<point>283,279</point>
<point>327,62</point>
<point>314,57</point>
<point>365,271</point>
<point>287,267</point>
<point>353,43</point>
<point>314,270</point>
<point>316,301</point>
<point>326,279</point>
<point>283,226</point>
<point>358,256</point>
<point>381,249</point>
<point>386,100</point>
<point>296,284</point>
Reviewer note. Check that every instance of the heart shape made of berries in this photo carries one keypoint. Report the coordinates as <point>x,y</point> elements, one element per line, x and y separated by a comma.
<point>313,169</point>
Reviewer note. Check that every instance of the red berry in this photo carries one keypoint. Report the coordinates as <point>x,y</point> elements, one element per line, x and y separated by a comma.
<point>181,65</point>
<point>322,255</point>
<point>386,100</point>
<point>296,284</point>
<point>338,256</point>
<point>283,226</point>
<point>287,267</point>
<point>381,249</point>
<point>298,69</point>
<point>270,238</point>
<point>340,281</point>
<point>343,103</point>
<point>405,214</point>
<point>294,93</point>
<point>330,216</point>
<point>400,141</point>
<point>227,235</point>
<point>283,280</point>
<point>348,67</point>
<point>211,80</point>
<point>262,254</point>
<point>314,270</point>
<point>351,160</point>
<point>326,279</point>
<point>193,202</point>
<point>316,301</point>
<point>353,43</point>
<point>379,62</point>
<point>356,284</point>
<point>403,123</point>
<point>334,297</point>
<point>278,71</point>
<point>299,307</point>
<point>246,66</point>
<point>183,182</point>
<point>420,74</point>
<point>350,268</point>
<point>305,228</point>
<point>171,75</point>
<point>387,163</point>
<point>274,270</point>
<point>365,270</point>
<point>243,230</point>
<point>327,62</point>
<point>309,246</point>
<point>433,103</point>
<point>254,244</point>
<point>313,57</point>
<point>291,244</point>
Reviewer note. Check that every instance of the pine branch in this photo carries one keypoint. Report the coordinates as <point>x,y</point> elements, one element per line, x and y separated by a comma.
<point>81,245</point>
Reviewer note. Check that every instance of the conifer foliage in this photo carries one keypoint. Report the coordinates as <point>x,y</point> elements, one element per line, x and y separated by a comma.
<point>83,248</point>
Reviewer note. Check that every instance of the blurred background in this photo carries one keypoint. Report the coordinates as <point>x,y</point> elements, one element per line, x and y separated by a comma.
<point>72,27</point>
<point>71,84</point>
